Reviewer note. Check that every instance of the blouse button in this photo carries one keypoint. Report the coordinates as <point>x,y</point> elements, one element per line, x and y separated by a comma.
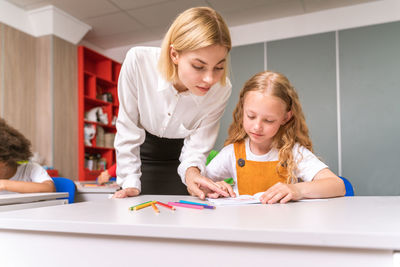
<point>169,114</point>
<point>241,162</point>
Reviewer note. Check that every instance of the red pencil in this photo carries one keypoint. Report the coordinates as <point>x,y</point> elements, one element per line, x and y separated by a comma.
<point>165,205</point>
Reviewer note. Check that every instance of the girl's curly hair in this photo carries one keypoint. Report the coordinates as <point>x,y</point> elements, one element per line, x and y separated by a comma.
<point>14,146</point>
<point>294,131</point>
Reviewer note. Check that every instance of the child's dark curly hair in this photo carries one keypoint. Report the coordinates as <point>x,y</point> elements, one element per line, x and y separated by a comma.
<point>14,146</point>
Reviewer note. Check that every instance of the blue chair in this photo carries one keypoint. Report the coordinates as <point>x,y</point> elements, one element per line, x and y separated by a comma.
<point>349,187</point>
<point>65,185</point>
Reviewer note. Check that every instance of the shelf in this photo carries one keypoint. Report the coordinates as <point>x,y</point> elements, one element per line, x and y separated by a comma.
<point>96,102</point>
<point>98,148</point>
<point>90,175</point>
<point>98,79</point>
<point>109,127</point>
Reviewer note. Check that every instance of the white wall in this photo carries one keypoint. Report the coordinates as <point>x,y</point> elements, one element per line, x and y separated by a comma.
<point>50,20</point>
<point>47,20</point>
<point>318,22</point>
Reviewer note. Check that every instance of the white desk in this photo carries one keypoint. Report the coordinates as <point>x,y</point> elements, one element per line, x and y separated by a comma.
<point>90,191</point>
<point>355,231</point>
<point>31,200</point>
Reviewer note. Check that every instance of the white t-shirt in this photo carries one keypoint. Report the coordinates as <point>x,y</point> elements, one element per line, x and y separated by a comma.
<point>224,164</point>
<point>148,102</point>
<point>29,172</point>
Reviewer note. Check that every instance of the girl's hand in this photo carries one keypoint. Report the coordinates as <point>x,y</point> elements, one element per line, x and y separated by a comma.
<point>224,186</point>
<point>281,193</point>
<point>201,186</point>
<point>127,192</point>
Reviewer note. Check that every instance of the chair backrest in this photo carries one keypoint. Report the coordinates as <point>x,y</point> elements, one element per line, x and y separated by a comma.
<point>349,187</point>
<point>65,185</point>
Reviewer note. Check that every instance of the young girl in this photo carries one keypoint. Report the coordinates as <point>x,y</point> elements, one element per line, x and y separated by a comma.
<point>268,147</point>
<point>16,176</point>
<point>171,100</point>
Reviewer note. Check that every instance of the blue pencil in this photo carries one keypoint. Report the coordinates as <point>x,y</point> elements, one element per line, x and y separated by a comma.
<point>206,206</point>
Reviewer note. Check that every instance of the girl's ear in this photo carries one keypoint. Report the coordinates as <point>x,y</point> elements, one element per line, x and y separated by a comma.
<point>174,55</point>
<point>288,116</point>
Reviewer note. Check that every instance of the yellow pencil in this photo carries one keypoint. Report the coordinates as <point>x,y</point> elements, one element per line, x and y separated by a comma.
<point>155,208</point>
<point>143,205</point>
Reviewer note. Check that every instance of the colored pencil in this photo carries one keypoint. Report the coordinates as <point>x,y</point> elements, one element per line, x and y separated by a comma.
<point>165,205</point>
<point>185,205</point>
<point>131,208</point>
<point>206,206</point>
<point>155,208</point>
<point>143,205</point>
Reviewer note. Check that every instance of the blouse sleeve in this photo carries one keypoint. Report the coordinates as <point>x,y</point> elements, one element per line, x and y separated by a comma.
<point>220,167</point>
<point>129,136</point>
<point>198,144</point>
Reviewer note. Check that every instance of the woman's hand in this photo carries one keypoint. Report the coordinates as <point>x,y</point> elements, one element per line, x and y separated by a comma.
<point>127,192</point>
<point>281,193</point>
<point>224,186</point>
<point>201,186</point>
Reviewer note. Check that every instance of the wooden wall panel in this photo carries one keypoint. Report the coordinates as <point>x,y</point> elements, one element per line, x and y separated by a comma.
<point>19,81</point>
<point>1,69</point>
<point>65,83</point>
<point>44,107</point>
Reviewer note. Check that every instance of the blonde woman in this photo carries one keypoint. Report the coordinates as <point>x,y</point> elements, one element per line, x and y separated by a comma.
<point>171,100</point>
<point>268,147</point>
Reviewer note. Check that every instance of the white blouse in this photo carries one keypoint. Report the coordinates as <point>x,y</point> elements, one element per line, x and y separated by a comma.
<point>148,102</point>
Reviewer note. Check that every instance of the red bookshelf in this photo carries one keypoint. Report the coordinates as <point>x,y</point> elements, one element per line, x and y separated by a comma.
<point>97,94</point>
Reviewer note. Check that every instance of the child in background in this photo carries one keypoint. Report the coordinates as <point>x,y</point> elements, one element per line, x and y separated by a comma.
<point>269,149</point>
<point>105,176</point>
<point>16,173</point>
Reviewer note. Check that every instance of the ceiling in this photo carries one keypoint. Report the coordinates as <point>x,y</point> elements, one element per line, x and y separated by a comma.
<point>117,23</point>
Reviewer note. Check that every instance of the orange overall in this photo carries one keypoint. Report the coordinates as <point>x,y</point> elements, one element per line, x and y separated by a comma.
<point>255,176</point>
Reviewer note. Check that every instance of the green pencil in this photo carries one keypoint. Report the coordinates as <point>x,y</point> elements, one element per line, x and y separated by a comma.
<point>131,208</point>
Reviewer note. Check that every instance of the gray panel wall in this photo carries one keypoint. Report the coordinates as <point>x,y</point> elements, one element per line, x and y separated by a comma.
<point>245,62</point>
<point>369,86</point>
<point>370,94</point>
<point>310,65</point>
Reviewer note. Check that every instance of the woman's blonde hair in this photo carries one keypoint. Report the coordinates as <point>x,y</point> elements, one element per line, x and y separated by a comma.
<point>193,29</point>
<point>292,132</point>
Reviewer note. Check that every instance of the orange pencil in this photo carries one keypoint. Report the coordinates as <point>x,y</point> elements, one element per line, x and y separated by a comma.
<point>165,205</point>
<point>143,205</point>
<point>155,208</point>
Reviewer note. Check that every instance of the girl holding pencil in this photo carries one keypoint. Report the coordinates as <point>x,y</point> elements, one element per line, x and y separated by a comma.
<point>268,147</point>
<point>171,101</point>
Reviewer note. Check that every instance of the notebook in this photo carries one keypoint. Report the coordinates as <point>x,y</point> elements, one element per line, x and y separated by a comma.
<point>239,200</point>
<point>248,199</point>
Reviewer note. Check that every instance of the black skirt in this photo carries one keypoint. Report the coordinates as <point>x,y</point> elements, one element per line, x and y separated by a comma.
<point>160,161</point>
